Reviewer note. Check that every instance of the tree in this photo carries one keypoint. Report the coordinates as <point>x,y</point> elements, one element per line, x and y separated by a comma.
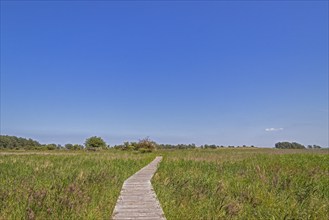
<point>51,146</point>
<point>11,142</point>
<point>95,143</point>
<point>69,146</point>
<point>73,146</point>
<point>77,147</point>
<point>288,145</point>
<point>316,146</point>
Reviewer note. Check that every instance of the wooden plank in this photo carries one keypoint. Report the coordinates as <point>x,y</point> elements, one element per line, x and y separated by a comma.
<point>137,198</point>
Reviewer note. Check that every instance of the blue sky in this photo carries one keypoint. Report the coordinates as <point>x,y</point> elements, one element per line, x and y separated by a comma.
<point>210,72</point>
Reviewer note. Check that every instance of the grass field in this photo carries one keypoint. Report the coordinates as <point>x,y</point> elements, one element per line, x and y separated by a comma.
<point>190,184</point>
<point>244,184</point>
<point>64,185</point>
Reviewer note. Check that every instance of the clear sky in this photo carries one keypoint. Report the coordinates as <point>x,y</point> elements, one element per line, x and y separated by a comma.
<point>203,72</point>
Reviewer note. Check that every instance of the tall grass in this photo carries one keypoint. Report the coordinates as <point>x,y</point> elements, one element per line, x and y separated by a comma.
<point>64,186</point>
<point>244,184</point>
<point>190,184</point>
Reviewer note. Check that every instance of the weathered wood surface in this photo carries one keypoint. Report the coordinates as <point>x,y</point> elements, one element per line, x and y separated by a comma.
<point>137,198</point>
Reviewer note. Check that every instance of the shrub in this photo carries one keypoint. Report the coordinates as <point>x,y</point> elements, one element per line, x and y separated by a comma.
<point>51,146</point>
<point>145,150</point>
<point>146,143</point>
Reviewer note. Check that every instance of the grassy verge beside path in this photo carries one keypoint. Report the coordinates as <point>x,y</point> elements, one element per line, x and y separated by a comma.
<point>244,184</point>
<point>64,186</point>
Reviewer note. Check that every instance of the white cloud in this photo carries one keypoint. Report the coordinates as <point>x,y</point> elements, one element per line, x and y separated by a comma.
<point>273,129</point>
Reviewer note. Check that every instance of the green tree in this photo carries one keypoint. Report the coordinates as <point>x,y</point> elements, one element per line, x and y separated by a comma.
<point>77,147</point>
<point>95,143</point>
<point>11,142</point>
<point>51,146</point>
<point>69,146</point>
<point>288,145</point>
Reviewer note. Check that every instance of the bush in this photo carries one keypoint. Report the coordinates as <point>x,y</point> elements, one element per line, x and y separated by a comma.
<point>146,144</point>
<point>128,146</point>
<point>77,147</point>
<point>73,147</point>
<point>144,150</point>
<point>51,146</point>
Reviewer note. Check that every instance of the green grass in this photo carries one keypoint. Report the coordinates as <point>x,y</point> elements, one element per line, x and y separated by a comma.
<point>190,184</point>
<point>244,184</point>
<point>64,185</point>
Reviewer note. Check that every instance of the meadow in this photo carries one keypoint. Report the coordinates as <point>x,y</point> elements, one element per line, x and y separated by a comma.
<point>57,185</point>
<point>244,183</point>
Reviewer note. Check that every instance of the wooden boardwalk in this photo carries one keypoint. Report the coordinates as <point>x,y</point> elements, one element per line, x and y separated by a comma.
<point>137,199</point>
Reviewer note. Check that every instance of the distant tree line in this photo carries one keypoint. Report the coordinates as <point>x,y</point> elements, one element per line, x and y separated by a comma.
<point>13,142</point>
<point>294,145</point>
<point>73,146</point>
<point>289,145</point>
<point>313,146</point>
<point>213,146</point>
<point>144,145</point>
<point>177,146</point>
<point>192,146</point>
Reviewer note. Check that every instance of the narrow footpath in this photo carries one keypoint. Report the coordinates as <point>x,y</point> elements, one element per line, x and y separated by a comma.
<point>137,198</point>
